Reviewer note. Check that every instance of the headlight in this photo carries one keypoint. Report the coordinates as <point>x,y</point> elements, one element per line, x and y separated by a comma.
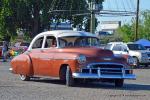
<point>130,60</point>
<point>81,59</point>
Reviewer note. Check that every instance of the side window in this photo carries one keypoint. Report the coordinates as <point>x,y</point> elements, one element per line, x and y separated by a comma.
<point>117,48</point>
<point>38,43</point>
<point>124,48</point>
<point>62,43</point>
<point>50,42</point>
<point>108,46</point>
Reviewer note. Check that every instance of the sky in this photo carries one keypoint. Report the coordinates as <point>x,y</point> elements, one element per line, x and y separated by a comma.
<point>124,5</point>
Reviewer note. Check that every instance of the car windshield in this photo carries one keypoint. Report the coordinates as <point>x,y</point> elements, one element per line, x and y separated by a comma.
<point>136,47</point>
<point>78,41</point>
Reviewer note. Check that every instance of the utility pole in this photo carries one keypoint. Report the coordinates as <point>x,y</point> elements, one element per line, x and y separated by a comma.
<point>92,24</point>
<point>137,21</point>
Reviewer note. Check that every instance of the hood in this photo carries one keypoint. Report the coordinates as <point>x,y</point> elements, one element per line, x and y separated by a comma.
<point>139,51</point>
<point>94,54</point>
<point>90,51</point>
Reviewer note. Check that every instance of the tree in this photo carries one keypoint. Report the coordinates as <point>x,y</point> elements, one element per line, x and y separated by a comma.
<point>33,16</point>
<point>127,31</point>
<point>5,24</point>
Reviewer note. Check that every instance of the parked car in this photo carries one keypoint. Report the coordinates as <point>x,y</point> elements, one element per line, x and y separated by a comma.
<point>70,55</point>
<point>18,48</point>
<point>138,52</point>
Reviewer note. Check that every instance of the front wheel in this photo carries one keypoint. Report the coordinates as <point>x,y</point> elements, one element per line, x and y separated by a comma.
<point>146,65</point>
<point>119,82</point>
<point>24,77</point>
<point>69,78</point>
<point>136,61</point>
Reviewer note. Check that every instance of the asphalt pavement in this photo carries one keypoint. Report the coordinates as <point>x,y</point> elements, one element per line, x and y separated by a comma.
<point>12,88</point>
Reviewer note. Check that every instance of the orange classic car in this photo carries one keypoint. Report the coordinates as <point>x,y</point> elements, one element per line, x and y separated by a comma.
<point>70,56</point>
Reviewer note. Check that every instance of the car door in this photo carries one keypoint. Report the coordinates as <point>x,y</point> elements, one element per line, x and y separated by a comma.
<point>46,56</point>
<point>124,50</point>
<point>117,49</point>
<point>35,53</point>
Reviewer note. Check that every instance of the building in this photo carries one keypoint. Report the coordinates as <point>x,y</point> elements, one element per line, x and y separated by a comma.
<point>109,26</point>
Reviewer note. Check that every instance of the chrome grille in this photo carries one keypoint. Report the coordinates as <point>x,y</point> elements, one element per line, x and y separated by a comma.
<point>104,69</point>
<point>107,66</point>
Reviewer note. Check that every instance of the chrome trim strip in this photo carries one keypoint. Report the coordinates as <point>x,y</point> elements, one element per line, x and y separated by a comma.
<point>105,63</point>
<point>99,72</point>
<point>64,58</point>
<point>123,72</point>
<point>107,68</point>
<point>96,76</point>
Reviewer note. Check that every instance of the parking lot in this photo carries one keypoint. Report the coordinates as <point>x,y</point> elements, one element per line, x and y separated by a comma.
<point>12,88</point>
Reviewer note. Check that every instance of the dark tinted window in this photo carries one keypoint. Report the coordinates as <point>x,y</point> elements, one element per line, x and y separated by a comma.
<point>50,42</point>
<point>136,47</point>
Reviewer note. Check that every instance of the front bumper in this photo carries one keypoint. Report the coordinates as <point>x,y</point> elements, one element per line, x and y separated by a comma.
<point>11,70</point>
<point>144,60</point>
<point>95,76</point>
<point>105,71</point>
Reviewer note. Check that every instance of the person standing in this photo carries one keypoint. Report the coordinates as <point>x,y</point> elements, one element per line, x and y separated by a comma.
<point>4,51</point>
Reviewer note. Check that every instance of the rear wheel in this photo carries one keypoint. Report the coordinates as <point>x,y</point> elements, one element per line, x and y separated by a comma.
<point>69,78</point>
<point>24,77</point>
<point>119,82</point>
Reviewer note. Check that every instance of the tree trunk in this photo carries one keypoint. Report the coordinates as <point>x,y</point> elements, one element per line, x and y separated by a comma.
<point>36,18</point>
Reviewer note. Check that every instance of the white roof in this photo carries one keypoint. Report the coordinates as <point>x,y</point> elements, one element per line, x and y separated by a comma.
<point>64,33</point>
<point>115,43</point>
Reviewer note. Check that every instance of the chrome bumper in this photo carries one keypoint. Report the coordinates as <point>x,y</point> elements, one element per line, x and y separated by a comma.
<point>107,73</point>
<point>96,76</point>
<point>11,70</point>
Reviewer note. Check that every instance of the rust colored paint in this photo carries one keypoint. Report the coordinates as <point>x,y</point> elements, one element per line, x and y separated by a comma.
<point>22,65</point>
<point>47,62</point>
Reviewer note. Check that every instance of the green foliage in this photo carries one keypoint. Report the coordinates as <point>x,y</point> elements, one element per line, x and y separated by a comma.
<point>33,16</point>
<point>127,31</point>
<point>5,25</point>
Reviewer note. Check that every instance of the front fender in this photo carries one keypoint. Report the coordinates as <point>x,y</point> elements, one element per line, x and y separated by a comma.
<point>22,65</point>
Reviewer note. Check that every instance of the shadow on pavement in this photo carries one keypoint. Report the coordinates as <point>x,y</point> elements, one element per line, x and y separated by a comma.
<point>131,87</point>
<point>142,67</point>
